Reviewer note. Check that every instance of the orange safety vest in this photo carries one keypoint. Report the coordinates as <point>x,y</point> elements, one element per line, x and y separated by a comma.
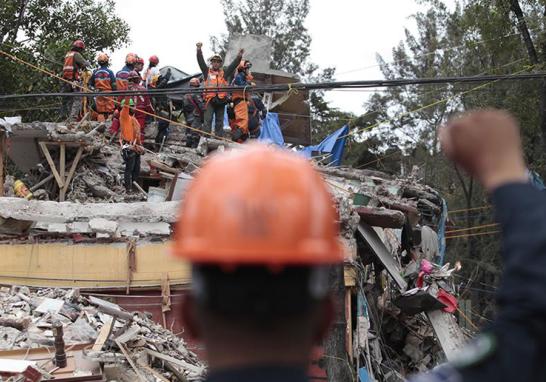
<point>70,72</point>
<point>215,80</point>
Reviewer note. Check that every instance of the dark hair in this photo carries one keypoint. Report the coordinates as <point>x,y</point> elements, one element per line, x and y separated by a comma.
<point>255,293</point>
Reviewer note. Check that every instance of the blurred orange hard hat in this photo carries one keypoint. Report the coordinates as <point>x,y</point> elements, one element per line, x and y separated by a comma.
<point>258,206</point>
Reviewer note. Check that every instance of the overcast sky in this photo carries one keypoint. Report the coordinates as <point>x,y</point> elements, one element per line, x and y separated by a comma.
<point>346,34</point>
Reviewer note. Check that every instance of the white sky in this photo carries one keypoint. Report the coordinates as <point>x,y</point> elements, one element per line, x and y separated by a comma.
<point>346,34</point>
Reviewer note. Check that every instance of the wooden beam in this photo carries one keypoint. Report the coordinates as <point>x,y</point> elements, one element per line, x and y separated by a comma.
<point>71,172</point>
<point>386,258</point>
<point>104,333</point>
<point>45,150</point>
<point>41,183</point>
<point>381,217</point>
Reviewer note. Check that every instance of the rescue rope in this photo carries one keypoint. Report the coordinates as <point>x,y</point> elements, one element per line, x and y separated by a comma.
<point>110,96</point>
<point>469,209</point>
<point>473,234</point>
<point>473,228</point>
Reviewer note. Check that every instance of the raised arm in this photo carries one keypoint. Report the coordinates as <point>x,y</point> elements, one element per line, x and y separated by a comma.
<point>201,60</point>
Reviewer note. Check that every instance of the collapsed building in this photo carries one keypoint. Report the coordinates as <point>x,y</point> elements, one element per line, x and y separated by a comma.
<point>398,304</point>
<point>87,273</point>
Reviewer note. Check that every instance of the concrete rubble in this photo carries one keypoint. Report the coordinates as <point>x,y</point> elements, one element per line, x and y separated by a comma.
<point>127,346</point>
<point>400,297</point>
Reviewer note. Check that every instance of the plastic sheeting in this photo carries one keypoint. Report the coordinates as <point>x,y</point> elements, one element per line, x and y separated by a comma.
<point>271,130</point>
<point>333,144</point>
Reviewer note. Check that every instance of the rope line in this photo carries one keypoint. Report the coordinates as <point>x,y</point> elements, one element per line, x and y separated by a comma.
<point>473,228</point>
<point>472,234</point>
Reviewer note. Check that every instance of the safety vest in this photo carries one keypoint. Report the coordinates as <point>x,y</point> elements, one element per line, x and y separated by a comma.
<point>103,81</point>
<point>215,80</point>
<point>70,72</point>
<point>122,82</point>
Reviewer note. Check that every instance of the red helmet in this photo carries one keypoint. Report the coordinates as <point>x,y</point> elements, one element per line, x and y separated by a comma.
<point>78,44</point>
<point>140,60</point>
<point>195,82</point>
<point>154,59</point>
<point>133,76</point>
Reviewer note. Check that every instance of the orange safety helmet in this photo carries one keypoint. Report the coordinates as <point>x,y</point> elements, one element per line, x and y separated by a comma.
<point>130,59</point>
<point>195,82</point>
<point>103,58</point>
<point>258,206</point>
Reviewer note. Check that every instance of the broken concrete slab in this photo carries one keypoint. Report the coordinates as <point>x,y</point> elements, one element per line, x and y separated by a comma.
<point>102,225</point>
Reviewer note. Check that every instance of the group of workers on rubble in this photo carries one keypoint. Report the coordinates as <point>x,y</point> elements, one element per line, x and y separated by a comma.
<point>130,114</point>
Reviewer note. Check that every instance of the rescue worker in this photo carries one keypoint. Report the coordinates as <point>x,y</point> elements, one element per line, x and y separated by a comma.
<point>256,113</point>
<point>139,66</point>
<point>74,64</point>
<point>122,83</point>
<point>142,101</point>
<point>194,111</point>
<point>239,103</point>
<point>215,78</point>
<point>487,145</point>
<point>104,80</point>
<point>130,143</point>
<point>152,74</point>
<point>260,229</point>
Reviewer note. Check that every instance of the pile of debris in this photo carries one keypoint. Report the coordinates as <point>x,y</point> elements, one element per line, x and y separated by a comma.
<point>97,337</point>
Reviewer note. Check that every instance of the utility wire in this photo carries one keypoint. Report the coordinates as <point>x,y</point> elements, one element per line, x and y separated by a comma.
<point>472,234</point>
<point>426,54</point>
<point>473,228</point>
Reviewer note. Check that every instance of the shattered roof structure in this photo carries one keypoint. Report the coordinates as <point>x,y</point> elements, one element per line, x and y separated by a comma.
<point>398,303</point>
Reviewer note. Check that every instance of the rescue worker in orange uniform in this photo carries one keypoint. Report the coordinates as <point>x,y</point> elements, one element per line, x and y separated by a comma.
<point>103,80</point>
<point>239,103</point>
<point>215,78</point>
<point>122,82</point>
<point>130,143</point>
<point>260,252</point>
<point>142,101</point>
<point>257,112</point>
<point>151,76</point>
<point>74,63</point>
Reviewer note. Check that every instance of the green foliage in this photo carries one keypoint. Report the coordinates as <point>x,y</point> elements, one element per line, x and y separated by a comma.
<point>475,37</point>
<point>41,32</point>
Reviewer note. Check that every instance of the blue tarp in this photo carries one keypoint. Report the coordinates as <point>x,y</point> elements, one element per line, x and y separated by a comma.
<point>271,130</point>
<point>333,144</point>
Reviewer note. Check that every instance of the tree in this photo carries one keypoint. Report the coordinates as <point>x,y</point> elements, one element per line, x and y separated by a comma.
<point>283,21</point>
<point>41,31</point>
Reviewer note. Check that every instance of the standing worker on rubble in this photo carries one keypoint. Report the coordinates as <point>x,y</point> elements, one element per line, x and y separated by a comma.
<point>104,80</point>
<point>122,81</point>
<point>194,110</point>
<point>130,143</point>
<point>239,103</point>
<point>151,76</point>
<point>257,112</point>
<point>74,63</point>
<point>260,252</point>
<point>487,145</point>
<point>215,78</point>
<point>142,101</point>
<point>139,66</point>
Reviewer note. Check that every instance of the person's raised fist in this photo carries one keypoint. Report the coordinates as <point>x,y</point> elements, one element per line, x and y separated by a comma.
<point>487,144</point>
<point>199,45</point>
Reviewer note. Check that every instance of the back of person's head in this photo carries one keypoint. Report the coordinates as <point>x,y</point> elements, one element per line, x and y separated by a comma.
<point>260,229</point>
